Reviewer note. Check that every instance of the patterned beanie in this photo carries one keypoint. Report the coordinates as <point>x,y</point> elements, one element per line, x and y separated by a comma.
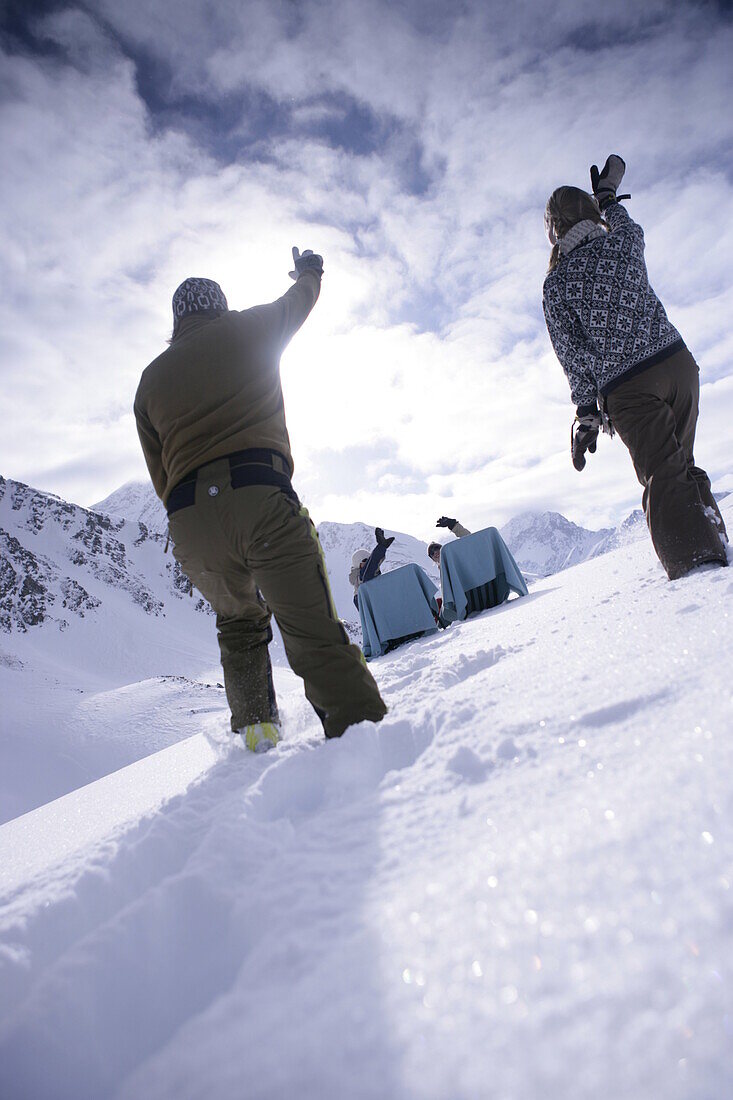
<point>198,296</point>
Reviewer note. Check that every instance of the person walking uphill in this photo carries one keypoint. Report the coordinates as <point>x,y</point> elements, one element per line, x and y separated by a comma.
<point>627,365</point>
<point>211,421</point>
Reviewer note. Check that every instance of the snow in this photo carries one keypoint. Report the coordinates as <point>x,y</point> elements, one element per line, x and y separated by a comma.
<point>53,738</point>
<point>136,501</point>
<point>77,678</point>
<point>68,826</point>
<point>519,885</point>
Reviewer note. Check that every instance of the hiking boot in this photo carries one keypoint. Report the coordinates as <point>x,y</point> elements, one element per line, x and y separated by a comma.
<point>260,737</point>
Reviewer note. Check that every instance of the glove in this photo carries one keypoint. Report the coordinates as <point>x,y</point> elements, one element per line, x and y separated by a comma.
<point>382,541</point>
<point>446,521</point>
<point>583,437</point>
<point>308,261</point>
<point>606,183</point>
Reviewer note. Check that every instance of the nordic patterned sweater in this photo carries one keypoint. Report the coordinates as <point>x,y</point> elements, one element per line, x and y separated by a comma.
<point>604,320</point>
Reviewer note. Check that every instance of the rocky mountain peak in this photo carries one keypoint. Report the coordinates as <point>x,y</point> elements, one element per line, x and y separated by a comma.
<point>60,561</point>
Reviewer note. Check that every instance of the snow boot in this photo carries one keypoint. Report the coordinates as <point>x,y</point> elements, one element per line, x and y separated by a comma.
<point>261,736</point>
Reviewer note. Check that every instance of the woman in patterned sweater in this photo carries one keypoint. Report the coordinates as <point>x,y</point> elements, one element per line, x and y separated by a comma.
<point>627,365</point>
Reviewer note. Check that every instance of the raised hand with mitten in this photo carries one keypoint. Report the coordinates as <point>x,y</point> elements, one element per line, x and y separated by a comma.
<point>606,183</point>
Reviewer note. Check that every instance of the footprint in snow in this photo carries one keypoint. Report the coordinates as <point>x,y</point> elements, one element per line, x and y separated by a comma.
<point>507,750</point>
<point>468,765</point>
<point>466,667</point>
<point>337,772</point>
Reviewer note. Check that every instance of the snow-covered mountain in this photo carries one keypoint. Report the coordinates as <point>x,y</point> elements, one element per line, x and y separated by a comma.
<point>541,542</point>
<point>546,542</point>
<point>60,561</point>
<point>136,500</point>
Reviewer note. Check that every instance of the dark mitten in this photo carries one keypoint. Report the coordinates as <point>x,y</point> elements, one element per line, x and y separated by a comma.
<point>446,521</point>
<point>605,184</point>
<point>583,437</point>
<point>381,540</point>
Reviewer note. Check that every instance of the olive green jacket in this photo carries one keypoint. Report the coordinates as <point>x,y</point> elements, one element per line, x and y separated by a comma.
<point>217,390</point>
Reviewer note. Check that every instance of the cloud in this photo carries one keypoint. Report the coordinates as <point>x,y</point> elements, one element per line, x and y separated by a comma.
<point>414,145</point>
<point>373,468</point>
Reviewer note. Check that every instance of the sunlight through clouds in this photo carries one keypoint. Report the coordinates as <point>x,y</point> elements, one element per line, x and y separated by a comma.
<point>415,148</point>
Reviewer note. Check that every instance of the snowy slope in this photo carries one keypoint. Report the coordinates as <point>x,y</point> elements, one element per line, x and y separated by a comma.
<point>518,885</point>
<point>91,609</point>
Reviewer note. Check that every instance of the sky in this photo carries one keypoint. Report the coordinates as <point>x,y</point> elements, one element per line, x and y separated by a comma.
<point>414,145</point>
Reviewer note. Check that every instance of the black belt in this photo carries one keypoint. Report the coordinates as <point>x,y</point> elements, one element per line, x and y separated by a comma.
<point>256,466</point>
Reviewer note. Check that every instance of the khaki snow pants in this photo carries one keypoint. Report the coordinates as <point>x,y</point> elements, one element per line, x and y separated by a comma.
<point>655,413</point>
<point>234,544</point>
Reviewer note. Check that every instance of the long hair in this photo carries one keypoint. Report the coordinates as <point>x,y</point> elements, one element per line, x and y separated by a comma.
<point>566,207</point>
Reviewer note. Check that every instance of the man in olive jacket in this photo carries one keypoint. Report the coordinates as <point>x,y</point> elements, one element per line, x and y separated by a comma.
<point>211,420</point>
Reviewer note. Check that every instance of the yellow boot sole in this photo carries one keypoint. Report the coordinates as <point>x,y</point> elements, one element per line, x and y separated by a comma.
<point>261,737</point>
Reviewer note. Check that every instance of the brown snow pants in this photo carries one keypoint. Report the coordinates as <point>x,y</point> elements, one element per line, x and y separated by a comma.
<point>655,413</point>
<point>234,544</point>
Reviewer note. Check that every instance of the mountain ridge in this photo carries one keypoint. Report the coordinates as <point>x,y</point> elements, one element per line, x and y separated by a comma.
<point>541,542</point>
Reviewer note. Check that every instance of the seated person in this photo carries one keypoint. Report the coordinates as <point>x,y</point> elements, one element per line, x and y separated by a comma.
<point>453,525</point>
<point>486,595</point>
<point>364,565</point>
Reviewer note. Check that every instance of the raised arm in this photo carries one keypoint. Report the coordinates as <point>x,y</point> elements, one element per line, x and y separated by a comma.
<point>284,317</point>
<point>454,526</point>
<point>621,223</point>
<point>605,185</point>
<point>377,555</point>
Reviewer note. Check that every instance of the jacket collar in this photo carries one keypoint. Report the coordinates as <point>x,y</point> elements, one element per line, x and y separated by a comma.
<point>580,233</point>
<point>192,322</point>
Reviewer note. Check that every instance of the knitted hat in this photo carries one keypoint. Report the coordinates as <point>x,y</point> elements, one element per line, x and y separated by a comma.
<point>358,557</point>
<point>198,296</point>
